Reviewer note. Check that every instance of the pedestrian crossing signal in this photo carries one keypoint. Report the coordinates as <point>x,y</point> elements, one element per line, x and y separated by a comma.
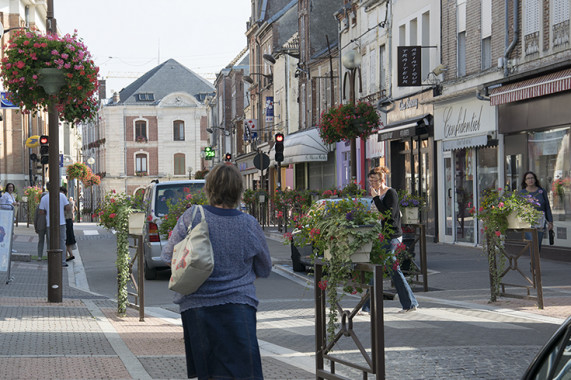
<point>44,149</point>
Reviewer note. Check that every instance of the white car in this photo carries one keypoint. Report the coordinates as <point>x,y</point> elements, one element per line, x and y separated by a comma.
<point>156,196</point>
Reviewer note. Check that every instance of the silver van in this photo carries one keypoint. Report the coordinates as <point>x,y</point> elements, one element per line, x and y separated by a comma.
<point>156,196</point>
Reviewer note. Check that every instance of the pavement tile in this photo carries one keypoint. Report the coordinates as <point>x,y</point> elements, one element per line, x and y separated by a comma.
<point>58,367</point>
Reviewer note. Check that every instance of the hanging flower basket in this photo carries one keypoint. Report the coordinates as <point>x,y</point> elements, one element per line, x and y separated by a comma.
<point>30,52</point>
<point>348,121</point>
<point>91,179</point>
<point>77,171</point>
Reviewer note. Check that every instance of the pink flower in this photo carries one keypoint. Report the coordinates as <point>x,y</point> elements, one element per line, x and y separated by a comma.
<point>498,233</point>
<point>150,218</point>
<point>322,284</point>
<point>113,215</point>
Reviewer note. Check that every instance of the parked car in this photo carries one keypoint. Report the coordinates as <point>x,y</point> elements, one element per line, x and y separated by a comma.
<point>554,359</point>
<point>156,196</point>
<point>301,256</point>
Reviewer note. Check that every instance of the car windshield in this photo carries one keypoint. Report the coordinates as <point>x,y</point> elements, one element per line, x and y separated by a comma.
<point>175,193</point>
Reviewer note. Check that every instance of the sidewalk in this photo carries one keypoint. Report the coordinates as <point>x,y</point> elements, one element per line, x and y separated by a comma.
<point>82,337</point>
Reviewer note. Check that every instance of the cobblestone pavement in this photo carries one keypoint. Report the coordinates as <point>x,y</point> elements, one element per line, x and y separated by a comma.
<point>455,334</point>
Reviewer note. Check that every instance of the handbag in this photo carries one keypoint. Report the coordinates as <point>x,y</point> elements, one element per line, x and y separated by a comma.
<point>193,259</point>
<point>551,237</point>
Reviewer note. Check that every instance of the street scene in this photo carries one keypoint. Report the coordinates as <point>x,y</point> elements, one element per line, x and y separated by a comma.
<point>285,189</point>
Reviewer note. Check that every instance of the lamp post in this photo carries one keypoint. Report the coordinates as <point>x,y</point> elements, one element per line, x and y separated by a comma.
<point>90,162</point>
<point>52,81</point>
<point>352,60</point>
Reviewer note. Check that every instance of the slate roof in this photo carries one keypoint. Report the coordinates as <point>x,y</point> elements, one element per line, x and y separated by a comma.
<point>168,77</point>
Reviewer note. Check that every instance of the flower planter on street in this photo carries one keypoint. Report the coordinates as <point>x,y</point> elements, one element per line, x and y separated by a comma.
<point>515,222</point>
<point>410,215</point>
<point>136,223</point>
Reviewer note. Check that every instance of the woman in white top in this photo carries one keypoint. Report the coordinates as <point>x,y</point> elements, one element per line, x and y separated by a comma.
<point>8,198</point>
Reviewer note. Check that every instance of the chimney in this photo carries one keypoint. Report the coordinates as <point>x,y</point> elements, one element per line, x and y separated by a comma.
<point>116,97</point>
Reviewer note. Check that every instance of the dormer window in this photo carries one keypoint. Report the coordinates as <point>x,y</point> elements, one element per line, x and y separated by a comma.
<point>145,97</point>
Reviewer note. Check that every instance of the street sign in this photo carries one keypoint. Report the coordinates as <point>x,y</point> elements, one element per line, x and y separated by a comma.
<point>261,161</point>
<point>61,160</point>
<point>33,141</point>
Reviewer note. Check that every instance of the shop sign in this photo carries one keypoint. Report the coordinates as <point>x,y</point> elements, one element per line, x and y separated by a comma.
<point>463,119</point>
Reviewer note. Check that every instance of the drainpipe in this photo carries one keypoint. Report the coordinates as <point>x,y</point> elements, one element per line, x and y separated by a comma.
<point>511,46</point>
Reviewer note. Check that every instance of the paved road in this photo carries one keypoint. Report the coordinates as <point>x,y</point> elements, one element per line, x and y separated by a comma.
<point>454,335</point>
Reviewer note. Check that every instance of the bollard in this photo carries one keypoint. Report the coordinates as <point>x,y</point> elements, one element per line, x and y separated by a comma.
<point>54,275</point>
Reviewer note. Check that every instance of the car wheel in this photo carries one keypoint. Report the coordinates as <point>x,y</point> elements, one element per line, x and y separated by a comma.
<point>150,273</point>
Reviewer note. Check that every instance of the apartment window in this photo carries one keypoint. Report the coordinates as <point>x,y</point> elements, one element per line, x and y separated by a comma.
<point>179,164</point>
<point>425,41</point>
<point>145,97</point>
<point>140,130</point>
<point>462,54</point>
<point>141,163</point>
<point>382,68</point>
<point>560,23</point>
<point>486,27</point>
<point>178,130</point>
<point>486,53</point>
<point>531,25</point>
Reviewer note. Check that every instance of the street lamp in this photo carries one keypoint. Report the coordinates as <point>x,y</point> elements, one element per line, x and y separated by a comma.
<point>352,60</point>
<point>211,130</point>
<point>248,78</point>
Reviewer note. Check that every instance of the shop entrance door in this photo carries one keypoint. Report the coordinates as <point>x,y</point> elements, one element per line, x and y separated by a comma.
<point>449,198</point>
<point>464,192</point>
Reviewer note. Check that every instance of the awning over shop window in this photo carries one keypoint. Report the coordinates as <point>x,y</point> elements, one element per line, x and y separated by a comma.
<point>403,128</point>
<point>465,142</point>
<point>305,146</point>
<point>532,88</point>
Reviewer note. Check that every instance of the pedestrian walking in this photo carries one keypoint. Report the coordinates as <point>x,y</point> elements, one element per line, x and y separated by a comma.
<point>41,228</point>
<point>385,198</point>
<point>45,210</point>
<point>219,319</point>
<point>8,199</point>
<point>69,234</point>
<point>530,185</point>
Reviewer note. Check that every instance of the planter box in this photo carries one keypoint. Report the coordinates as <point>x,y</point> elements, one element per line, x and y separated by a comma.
<point>410,215</point>
<point>515,222</point>
<point>362,254</point>
<point>136,223</point>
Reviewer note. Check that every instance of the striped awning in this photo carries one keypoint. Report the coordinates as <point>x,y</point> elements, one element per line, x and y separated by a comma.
<point>532,88</point>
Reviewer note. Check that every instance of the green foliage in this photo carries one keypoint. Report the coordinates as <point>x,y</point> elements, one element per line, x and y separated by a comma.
<point>334,229</point>
<point>177,207</point>
<point>34,194</point>
<point>494,209</point>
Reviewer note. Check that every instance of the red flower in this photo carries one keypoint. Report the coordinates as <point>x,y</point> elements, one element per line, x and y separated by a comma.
<point>322,284</point>
<point>150,218</point>
<point>113,215</point>
<point>498,233</point>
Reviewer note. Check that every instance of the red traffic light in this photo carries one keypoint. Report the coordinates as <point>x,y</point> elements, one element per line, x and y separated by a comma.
<point>228,157</point>
<point>279,137</point>
<point>43,140</point>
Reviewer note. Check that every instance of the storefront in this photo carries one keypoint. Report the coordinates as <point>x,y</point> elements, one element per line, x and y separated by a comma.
<point>467,154</point>
<point>307,164</point>
<point>410,151</point>
<point>535,117</point>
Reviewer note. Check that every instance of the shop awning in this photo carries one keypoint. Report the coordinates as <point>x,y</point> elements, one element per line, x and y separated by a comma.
<point>532,88</point>
<point>305,146</point>
<point>401,129</point>
<point>465,142</point>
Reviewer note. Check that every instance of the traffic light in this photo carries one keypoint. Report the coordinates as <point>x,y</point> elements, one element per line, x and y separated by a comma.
<point>279,146</point>
<point>208,153</point>
<point>44,149</point>
<point>228,157</point>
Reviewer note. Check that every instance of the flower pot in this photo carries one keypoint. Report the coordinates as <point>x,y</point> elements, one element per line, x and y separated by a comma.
<point>361,254</point>
<point>410,215</point>
<point>515,222</point>
<point>136,223</point>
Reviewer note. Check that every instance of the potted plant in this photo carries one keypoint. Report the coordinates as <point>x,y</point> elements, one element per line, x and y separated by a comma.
<point>77,170</point>
<point>27,57</point>
<point>410,206</point>
<point>496,211</point>
<point>348,121</point>
<point>342,231</point>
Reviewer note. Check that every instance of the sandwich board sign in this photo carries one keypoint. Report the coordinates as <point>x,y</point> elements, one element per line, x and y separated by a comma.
<point>6,233</point>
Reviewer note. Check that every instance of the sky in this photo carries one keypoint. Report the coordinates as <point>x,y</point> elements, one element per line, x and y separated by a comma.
<point>127,38</point>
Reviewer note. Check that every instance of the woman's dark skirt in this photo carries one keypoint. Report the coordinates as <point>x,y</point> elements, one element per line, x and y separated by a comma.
<point>70,236</point>
<point>221,342</point>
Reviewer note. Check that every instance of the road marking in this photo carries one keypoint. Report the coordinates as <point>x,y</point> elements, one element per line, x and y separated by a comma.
<point>90,232</point>
<point>130,361</point>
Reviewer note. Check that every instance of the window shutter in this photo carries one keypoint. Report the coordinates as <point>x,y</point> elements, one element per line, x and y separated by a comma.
<point>532,16</point>
<point>461,15</point>
<point>486,18</point>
